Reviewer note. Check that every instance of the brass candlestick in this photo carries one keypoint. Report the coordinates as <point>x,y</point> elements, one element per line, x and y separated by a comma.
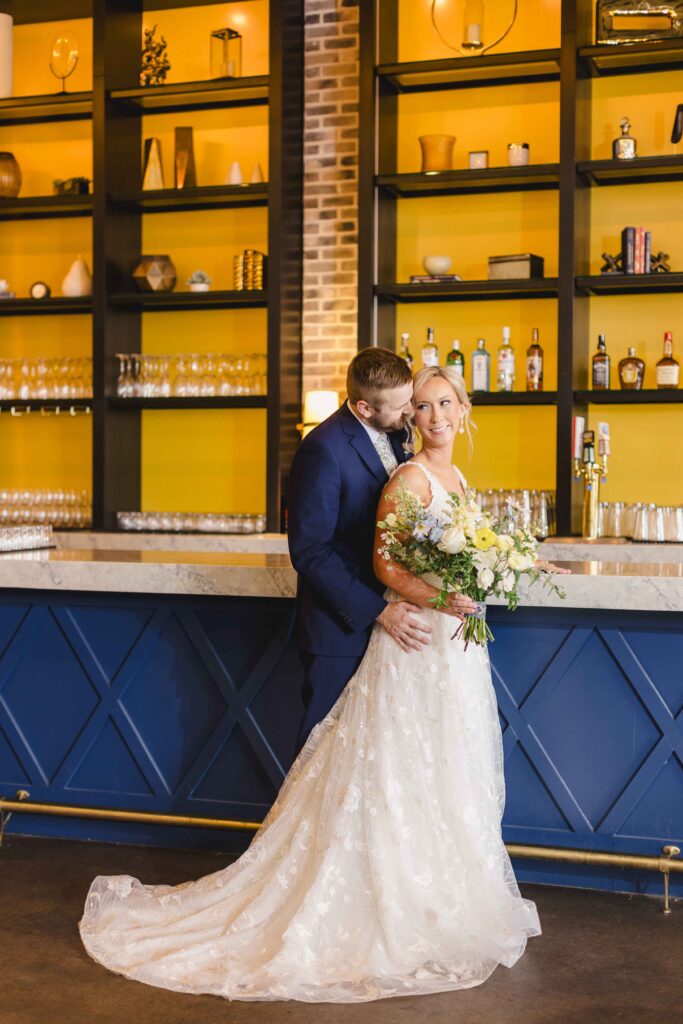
<point>593,472</point>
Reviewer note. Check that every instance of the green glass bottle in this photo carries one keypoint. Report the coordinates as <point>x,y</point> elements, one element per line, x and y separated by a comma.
<point>456,358</point>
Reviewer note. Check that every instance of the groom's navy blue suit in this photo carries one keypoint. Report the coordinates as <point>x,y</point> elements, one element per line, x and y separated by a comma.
<point>334,486</point>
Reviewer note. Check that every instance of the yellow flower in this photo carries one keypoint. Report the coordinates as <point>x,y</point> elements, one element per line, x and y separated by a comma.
<point>484,539</point>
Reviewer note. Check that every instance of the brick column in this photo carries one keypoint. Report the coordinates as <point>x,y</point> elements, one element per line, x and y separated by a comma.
<point>330,281</point>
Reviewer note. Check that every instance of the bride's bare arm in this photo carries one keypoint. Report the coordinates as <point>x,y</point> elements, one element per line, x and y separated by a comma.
<point>393,574</point>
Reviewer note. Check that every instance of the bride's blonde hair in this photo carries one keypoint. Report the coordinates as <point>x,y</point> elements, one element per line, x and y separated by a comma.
<point>455,379</point>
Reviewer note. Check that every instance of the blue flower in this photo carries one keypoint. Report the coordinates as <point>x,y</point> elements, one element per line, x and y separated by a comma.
<point>420,530</point>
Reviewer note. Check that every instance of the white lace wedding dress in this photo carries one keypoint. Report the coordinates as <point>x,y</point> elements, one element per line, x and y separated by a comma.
<point>380,869</point>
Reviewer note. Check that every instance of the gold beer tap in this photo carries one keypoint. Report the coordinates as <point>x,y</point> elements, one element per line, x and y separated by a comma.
<point>593,471</point>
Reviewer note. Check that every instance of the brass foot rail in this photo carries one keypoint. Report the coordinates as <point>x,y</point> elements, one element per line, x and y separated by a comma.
<point>664,864</point>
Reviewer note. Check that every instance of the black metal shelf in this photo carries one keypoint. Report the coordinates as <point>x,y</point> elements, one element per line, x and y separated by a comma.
<point>514,397</point>
<point>470,72</point>
<point>632,59</point>
<point>629,284</point>
<point>182,96</point>
<point>467,182</point>
<point>39,207</point>
<point>469,291</point>
<point>209,197</point>
<point>44,307</point>
<point>204,402</point>
<point>646,396</point>
<point>168,301</point>
<point>70,106</point>
<point>640,171</point>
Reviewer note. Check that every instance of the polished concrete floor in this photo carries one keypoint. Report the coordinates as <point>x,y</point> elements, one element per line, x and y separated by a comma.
<point>601,958</point>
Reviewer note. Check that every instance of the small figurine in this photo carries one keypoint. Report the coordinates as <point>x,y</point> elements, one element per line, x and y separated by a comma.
<point>624,148</point>
<point>199,281</point>
<point>155,62</point>
<point>5,291</point>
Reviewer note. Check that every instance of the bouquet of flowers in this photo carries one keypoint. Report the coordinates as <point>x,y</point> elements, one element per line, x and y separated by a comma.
<point>469,551</point>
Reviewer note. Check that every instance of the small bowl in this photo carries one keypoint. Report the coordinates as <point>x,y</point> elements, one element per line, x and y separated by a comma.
<point>435,265</point>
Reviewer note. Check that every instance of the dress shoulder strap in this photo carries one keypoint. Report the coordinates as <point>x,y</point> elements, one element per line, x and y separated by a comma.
<point>462,478</point>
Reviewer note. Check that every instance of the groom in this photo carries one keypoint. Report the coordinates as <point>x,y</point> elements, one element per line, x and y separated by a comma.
<point>336,479</point>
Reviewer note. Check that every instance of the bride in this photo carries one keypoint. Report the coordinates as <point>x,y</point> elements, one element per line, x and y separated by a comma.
<point>380,869</point>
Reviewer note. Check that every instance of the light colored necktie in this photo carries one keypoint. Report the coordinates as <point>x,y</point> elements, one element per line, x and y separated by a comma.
<point>386,453</point>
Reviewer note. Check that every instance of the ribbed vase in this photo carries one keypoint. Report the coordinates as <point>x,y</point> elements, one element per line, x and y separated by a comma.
<point>10,176</point>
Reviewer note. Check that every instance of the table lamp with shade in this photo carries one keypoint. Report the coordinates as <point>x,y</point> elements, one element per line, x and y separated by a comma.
<point>318,405</point>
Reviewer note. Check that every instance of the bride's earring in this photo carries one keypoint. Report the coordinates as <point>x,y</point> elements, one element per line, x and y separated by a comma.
<point>461,428</point>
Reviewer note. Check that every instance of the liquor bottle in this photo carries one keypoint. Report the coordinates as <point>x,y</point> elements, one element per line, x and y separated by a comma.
<point>456,358</point>
<point>405,351</point>
<point>534,364</point>
<point>667,368</point>
<point>506,363</point>
<point>481,367</point>
<point>631,372</point>
<point>430,353</point>
<point>601,366</point>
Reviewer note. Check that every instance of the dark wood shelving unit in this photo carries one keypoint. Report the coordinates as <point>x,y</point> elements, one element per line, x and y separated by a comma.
<point>207,197</point>
<point>629,284</point>
<point>470,72</point>
<point>514,398</point>
<point>646,396</point>
<point>469,291</point>
<point>632,59</point>
<point>181,97</point>
<point>44,307</point>
<point>643,170</point>
<point>117,106</point>
<point>70,106</point>
<point>199,402</point>
<point>465,182</point>
<point>166,302</point>
<point>41,207</point>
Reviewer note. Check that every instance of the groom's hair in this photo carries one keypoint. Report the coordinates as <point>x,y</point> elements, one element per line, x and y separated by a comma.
<point>374,370</point>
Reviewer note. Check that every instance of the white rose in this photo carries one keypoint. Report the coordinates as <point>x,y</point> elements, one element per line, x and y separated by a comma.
<point>485,578</point>
<point>519,562</point>
<point>470,525</point>
<point>485,559</point>
<point>453,541</point>
<point>508,582</point>
<point>504,542</point>
<point>484,523</point>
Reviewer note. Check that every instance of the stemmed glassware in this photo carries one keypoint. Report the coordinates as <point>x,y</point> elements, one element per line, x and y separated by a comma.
<point>42,378</point>
<point>189,375</point>
<point>192,522</point>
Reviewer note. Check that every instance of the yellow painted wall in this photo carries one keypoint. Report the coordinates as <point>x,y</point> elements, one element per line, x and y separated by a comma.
<point>513,447</point>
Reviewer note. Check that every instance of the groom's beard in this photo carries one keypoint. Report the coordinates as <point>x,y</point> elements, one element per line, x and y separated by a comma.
<point>389,422</point>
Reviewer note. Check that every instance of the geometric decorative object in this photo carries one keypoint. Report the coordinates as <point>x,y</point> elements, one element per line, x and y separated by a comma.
<point>10,176</point>
<point>5,55</point>
<point>153,171</point>
<point>226,53</point>
<point>185,174</point>
<point>234,175</point>
<point>659,264</point>
<point>63,57</point>
<point>155,64</point>
<point>636,21</point>
<point>437,153</point>
<point>155,274</point>
<point>78,281</point>
<point>612,264</point>
<point>257,175</point>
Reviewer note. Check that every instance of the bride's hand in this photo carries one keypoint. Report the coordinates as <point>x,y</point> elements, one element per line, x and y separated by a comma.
<point>550,567</point>
<point>459,605</point>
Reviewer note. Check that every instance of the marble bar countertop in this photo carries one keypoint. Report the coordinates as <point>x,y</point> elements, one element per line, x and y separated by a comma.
<point>578,550</point>
<point>593,584</point>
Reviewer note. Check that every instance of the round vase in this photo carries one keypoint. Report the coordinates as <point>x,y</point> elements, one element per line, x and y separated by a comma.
<point>78,282</point>
<point>437,153</point>
<point>436,265</point>
<point>10,176</point>
<point>155,274</point>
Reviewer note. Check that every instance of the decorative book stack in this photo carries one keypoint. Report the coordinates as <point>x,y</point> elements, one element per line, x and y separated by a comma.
<point>636,247</point>
<point>434,278</point>
<point>248,271</point>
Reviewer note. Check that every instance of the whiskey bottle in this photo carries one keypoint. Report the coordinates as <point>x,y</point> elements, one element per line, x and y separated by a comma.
<point>481,367</point>
<point>667,368</point>
<point>405,351</point>
<point>456,358</point>
<point>506,363</point>
<point>631,372</point>
<point>430,353</point>
<point>601,367</point>
<point>534,364</point>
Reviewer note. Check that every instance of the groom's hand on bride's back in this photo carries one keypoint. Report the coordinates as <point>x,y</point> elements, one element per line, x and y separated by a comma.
<point>402,622</point>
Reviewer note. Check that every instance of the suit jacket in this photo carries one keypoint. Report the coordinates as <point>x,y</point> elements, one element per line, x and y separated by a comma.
<point>334,487</point>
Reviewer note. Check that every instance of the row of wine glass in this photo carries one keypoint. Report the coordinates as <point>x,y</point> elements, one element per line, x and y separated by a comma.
<point>41,378</point>
<point>50,507</point>
<point>192,522</point>
<point>190,375</point>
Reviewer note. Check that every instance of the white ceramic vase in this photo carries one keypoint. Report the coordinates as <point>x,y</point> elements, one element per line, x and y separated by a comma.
<point>78,282</point>
<point>6,57</point>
